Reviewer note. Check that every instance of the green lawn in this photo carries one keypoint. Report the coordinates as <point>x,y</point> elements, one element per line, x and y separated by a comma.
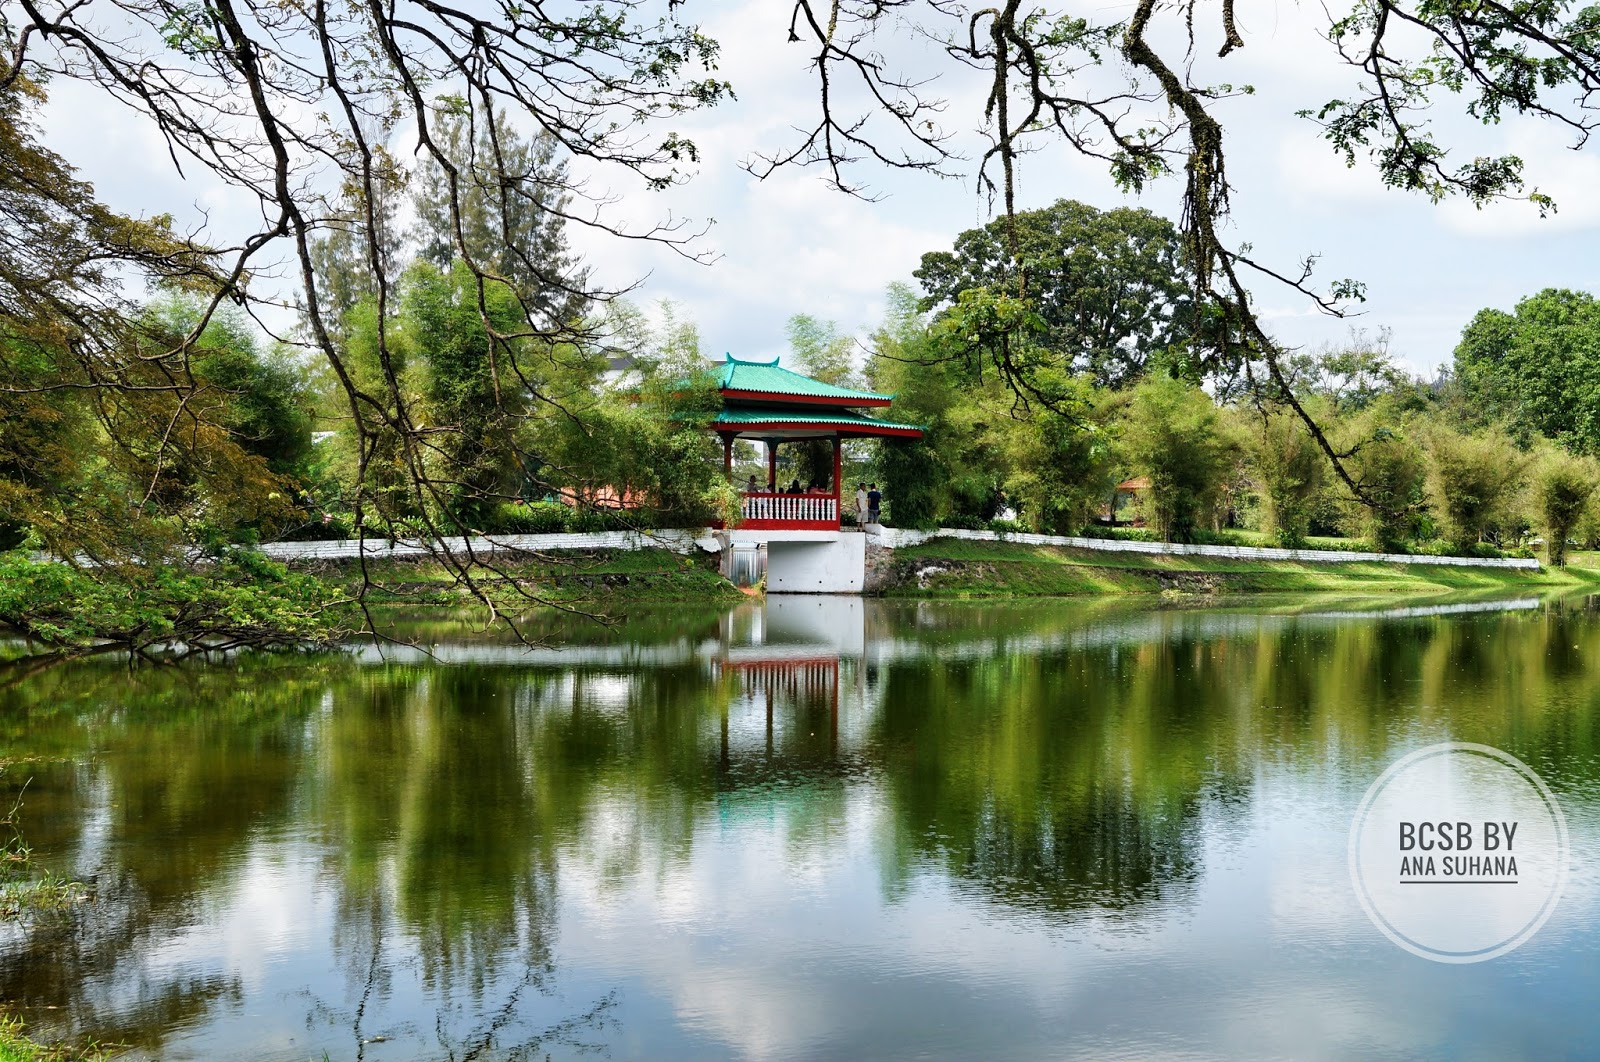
<point>15,1047</point>
<point>959,568</point>
<point>577,578</point>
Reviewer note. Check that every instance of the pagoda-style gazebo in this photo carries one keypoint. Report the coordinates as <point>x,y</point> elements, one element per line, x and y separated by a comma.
<point>763,401</point>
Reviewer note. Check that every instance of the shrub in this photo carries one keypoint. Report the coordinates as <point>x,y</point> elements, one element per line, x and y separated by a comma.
<point>1292,468</point>
<point>535,518</point>
<point>1563,488</point>
<point>240,598</point>
<point>1391,468</point>
<point>1473,479</point>
<point>1175,435</point>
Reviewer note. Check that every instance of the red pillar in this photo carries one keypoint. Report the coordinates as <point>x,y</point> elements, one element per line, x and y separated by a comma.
<point>838,488</point>
<point>727,457</point>
<point>772,465</point>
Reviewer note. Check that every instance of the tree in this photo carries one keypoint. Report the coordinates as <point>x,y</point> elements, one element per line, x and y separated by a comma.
<point>1537,368</point>
<point>478,402</point>
<point>1392,472</point>
<point>1109,288</point>
<point>263,401</point>
<point>1174,434</point>
<point>509,215</point>
<point>820,350</point>
<point>1061,469</point>
<point>1349,377</point>
<point>1563,488</point>
<point>348,261</point>
<point>275,101</point>
<point>1473,480</point>
<point>915,474</point>
<point>1291,471</point>
<point>115,442</point>
<point>1138,92</point>
<point>650,449</point>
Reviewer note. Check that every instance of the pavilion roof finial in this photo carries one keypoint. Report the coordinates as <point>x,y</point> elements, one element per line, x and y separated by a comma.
<point>748,361</point>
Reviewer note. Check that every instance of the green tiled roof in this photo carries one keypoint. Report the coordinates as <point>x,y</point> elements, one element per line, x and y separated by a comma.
<point>772,378</point>
<point>734,418</point>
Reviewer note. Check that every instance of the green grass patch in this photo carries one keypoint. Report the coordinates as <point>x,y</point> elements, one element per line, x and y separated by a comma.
<point>578,578</point>
<point>960,568</point>
<point>15,1046</point>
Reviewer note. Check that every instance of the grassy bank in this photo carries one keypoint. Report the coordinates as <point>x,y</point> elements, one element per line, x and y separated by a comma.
<point>598,577</point>
<point>16,1047</point>
<point>956,568</point>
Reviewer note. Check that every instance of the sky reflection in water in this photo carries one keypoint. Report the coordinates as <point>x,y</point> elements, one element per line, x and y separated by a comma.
<point>823,828</point>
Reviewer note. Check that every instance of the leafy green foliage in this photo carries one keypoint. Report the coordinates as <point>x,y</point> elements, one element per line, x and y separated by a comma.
<point>511,203</point>
<point>1175,434</point>
<point>820,350</point>
<point>1061,469</point>
<point>927,480</point>
<point>114,438</point>
<point>1537,368</point>
<point>1108,288</point>
<point>260,397</point>
<point>650,452</point>
<point>1292,471</point>
<point>1563,488</point>
<point>1474,480</point>
<point>239,599</point>
<point>1393,469</point>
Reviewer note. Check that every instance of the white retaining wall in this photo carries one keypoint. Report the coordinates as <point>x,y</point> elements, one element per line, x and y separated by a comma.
<point>802,567</point>
<point>894,537</point>
<point>684,541</point>
<point>687,541</point>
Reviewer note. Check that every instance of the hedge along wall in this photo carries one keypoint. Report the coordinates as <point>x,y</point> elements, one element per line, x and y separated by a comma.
<point>893,538</point>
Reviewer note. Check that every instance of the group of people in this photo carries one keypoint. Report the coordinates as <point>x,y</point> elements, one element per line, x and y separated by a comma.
<point>869,503</point>
<point>752,487</point>
<point>869,500</point>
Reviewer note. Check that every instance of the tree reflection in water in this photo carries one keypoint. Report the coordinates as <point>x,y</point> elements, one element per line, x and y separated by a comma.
<point>423,825</point>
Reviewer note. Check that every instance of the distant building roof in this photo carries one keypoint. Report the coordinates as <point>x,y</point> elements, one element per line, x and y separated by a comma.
<point>1137,483</point>
<point>739,379</point>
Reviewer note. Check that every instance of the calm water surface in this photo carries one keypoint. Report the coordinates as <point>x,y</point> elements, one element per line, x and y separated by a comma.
<point>814,829</point>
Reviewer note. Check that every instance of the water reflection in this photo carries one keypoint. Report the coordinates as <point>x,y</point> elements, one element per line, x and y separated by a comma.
<point>819,827</point>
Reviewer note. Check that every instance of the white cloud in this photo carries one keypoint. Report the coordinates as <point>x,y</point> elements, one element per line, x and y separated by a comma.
<point>789,244</point>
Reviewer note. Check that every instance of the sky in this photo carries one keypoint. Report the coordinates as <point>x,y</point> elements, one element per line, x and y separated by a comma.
<point>791,244</point>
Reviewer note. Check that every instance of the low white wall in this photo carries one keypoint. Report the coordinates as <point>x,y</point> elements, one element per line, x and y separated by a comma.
<point>847,550</point>
<point>894,537</point>
<point>678,541</point>
<point>801,567</point>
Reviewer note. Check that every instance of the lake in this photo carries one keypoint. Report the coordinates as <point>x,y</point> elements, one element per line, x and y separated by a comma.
<point>810,828</point>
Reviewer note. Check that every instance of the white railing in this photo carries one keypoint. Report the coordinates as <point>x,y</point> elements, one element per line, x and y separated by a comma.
<point>796,507</point>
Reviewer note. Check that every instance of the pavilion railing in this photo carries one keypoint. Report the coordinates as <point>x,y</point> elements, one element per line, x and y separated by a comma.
<point>810,508</point>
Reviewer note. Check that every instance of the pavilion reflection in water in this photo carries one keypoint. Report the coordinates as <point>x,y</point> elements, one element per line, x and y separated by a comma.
<point>782,665</point>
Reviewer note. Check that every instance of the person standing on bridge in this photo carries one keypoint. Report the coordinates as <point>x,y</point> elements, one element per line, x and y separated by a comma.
<point>874,504</point>
<point>861,504</point>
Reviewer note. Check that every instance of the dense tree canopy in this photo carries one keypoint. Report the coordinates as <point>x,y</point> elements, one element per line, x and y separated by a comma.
<point>1109,287</point>
<point>296,107</point>
<point>1538,368</point>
